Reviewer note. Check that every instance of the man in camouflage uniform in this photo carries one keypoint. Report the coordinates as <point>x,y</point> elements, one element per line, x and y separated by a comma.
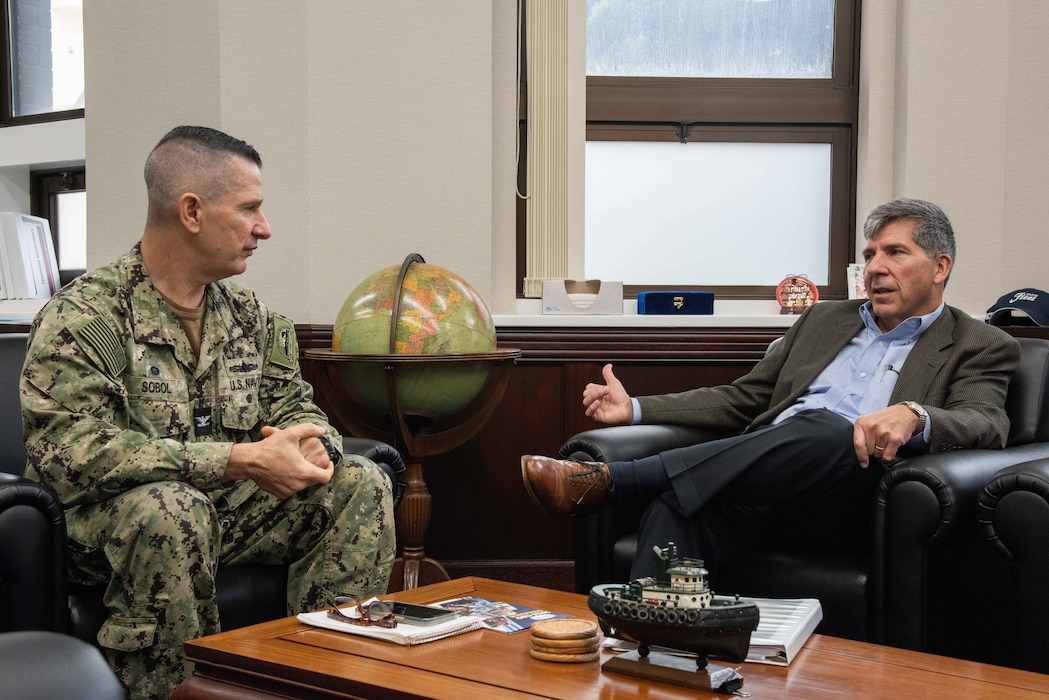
<point>166,409</point>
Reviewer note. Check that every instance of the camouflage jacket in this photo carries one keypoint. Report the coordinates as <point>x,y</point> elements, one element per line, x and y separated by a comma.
<point>113,397</point>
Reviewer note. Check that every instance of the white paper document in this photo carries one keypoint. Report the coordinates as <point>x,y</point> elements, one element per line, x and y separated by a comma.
<point>404,633</point>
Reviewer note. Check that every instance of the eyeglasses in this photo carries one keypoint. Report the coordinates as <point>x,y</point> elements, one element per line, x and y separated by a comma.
<point>377,612</point>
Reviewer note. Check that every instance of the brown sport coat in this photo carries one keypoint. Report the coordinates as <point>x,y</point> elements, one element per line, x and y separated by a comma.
<point>958,370</point>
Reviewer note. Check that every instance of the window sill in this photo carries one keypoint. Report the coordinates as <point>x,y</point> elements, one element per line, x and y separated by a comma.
<point>727,314</point>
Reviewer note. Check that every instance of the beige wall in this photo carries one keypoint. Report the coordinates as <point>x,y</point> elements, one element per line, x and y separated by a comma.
<point>388,128</point>
<point>955,98</point>
<point>384,130</point>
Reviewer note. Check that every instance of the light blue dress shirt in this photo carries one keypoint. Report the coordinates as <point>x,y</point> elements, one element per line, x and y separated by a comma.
<point>861,378</point>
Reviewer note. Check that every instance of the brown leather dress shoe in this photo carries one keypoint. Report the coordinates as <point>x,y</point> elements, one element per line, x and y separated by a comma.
<point>564,487</point>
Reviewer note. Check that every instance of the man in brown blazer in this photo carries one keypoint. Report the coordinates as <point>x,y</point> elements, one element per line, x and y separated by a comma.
<point>852,386</point>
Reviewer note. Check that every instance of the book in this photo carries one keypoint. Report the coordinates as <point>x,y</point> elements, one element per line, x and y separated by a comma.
<point>854,275</point>
<point>785,625</point>
<point>404,633</point>
<point>27,256</point>
<point>497,615</point>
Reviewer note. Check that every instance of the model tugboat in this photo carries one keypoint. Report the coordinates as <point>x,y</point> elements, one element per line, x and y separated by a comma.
<point>677,609</point>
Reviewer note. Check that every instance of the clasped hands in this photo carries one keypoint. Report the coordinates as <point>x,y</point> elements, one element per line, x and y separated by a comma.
<point>879,435</point>
<point>283,462</point>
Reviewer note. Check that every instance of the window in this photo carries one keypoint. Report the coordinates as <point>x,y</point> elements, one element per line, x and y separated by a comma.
<point>60,196</point>
<point>710,38</point>
<point>648,203</point>
<point>43,60</point>
<point>700,115</point>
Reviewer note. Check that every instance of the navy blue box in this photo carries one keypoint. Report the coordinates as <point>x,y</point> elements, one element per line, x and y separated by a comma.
<point>675,303</point>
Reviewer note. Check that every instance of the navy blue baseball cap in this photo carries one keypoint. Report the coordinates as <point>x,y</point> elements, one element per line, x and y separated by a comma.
<point>1033,303</point>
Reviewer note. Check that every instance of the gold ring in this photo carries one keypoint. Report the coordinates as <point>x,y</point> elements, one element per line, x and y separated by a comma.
<point>878,447</point>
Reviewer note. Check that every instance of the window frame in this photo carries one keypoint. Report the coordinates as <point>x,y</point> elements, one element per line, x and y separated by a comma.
<point>7,101</point>
<point>742,109</point>
<point>44,187</point>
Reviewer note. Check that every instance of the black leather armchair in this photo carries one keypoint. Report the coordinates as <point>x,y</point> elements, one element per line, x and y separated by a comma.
<point>1013,512</point>
<point>917,578</point>
<point>34,592</point>
<point>48,665</point>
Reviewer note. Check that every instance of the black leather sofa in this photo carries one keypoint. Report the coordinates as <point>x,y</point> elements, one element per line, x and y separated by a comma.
<point>1013,513</point>
<point>919,576</point>
<point>34,592</point>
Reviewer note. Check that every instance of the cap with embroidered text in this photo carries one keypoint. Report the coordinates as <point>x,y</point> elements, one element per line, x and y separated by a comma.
<point>1032,303</point>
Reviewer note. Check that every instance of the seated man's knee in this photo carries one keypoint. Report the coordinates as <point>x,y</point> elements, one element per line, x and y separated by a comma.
<point>173,515</point>
<point>358,477</point>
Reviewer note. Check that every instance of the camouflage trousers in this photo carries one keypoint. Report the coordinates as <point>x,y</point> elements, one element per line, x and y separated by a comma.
<point>157,547</point>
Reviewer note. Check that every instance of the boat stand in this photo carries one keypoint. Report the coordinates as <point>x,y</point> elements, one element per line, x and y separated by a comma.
<point>676,670</point>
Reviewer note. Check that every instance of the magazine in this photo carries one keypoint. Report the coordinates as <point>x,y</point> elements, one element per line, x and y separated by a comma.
<point>497,615</point>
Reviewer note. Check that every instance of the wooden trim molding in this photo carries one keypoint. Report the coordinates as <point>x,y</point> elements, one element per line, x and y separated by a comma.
<point>611,344</point>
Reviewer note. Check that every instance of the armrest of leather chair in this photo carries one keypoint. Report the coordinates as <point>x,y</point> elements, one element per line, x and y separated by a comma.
<point>596,533</point>
<point>388,459</point>
<point>623,442</point>
<point>923,504</point>
<point>1013,513</point>
<point>32,557</point>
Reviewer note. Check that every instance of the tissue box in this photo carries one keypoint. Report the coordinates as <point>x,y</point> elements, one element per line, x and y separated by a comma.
<point>675,303</point>
<point>582,297</point>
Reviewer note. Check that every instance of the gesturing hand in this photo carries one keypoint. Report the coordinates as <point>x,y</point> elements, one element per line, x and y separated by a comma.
<point>284,462</point>
<point>609,402</point>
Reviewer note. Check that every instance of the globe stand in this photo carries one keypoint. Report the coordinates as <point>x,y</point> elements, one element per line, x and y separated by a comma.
<point>415,437</point>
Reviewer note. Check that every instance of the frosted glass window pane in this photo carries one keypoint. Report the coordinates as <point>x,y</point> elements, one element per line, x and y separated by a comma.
<point>710,38</point>
<point>707,213</point>
<point>72,230</point>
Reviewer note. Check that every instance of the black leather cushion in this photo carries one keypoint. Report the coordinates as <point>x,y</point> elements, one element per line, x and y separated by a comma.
<point>48,665</point>
<point>12,357</point>
<point>1028,400</point>
<point>838,581</point>
<point>248,595</point>
<point>32,557</point>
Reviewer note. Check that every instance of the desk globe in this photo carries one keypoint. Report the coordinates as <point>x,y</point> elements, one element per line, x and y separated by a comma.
<point>414,362</point>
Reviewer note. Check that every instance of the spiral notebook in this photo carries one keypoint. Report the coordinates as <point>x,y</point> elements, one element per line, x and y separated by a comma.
<point>404,633</point>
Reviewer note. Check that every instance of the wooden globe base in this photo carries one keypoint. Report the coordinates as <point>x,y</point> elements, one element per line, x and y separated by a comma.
<point>413,568</point>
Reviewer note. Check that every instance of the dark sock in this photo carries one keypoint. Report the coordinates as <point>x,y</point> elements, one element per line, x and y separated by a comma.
<point>641,478</point>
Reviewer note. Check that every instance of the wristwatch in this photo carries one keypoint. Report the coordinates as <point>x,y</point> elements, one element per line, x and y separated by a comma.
<point>333,454</point>
<point>923,415</point>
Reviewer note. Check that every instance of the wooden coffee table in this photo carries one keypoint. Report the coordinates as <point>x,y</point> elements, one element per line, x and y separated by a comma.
<point>286,658</point>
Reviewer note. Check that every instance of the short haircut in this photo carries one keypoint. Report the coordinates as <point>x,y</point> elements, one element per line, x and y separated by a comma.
<point>191,159</point>
<point>933,231</point>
